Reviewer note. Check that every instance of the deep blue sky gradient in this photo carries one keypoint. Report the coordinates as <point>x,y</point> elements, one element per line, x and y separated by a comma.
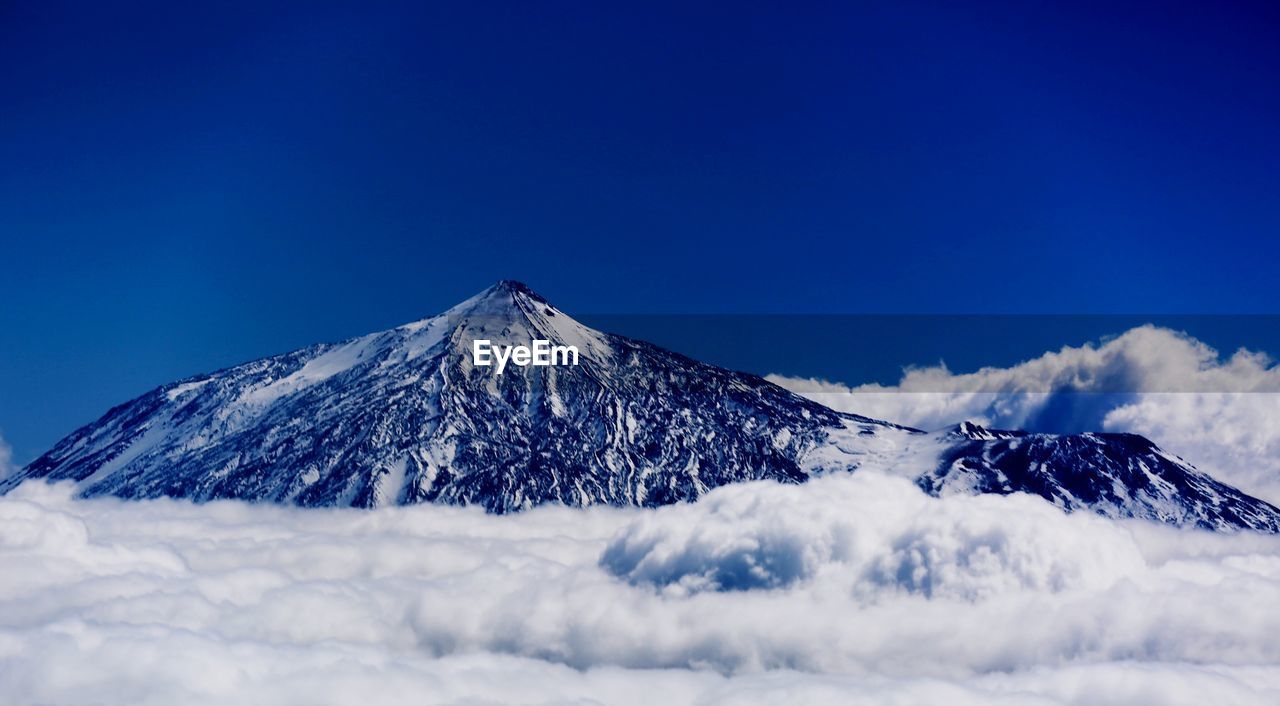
<point>185,186</point>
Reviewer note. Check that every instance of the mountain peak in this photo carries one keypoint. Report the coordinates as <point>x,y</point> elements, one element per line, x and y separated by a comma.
<point>513,288</point>
<point>504,301</point>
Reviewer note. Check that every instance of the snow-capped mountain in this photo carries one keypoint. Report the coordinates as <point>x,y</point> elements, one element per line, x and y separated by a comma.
<point>404,416</point>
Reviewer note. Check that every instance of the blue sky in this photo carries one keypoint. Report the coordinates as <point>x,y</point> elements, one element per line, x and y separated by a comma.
<point>183,188</point>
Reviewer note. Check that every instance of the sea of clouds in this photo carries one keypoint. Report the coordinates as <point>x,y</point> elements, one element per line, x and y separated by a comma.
<point>849,589</point>
<point>1219,412</point>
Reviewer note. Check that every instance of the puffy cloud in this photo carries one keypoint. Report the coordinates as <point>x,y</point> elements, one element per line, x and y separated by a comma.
<point>850,588</point>
<point>1221,413</point>
<point>847,589</point>
<point>878,535</point>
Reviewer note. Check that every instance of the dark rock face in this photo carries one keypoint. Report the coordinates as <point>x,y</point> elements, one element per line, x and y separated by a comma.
<point>404,416</point>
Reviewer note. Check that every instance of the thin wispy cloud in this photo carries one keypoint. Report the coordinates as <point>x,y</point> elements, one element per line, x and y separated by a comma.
<point>7,466</point>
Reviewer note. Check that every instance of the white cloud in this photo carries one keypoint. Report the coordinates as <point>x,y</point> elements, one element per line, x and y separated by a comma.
<point>1220,413</point>
<point>882,536</point>
<point>858,588</point>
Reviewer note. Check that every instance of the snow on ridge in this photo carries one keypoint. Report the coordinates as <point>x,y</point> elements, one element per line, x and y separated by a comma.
<point>334,361</point>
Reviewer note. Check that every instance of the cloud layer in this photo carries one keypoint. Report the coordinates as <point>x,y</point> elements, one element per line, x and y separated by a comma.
<point>1221,413</point>
<point>847,589</point>
<point>850,587</point>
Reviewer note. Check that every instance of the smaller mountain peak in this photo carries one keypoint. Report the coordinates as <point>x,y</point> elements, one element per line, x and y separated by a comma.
<point>971,430</point>
<point>977,432</point>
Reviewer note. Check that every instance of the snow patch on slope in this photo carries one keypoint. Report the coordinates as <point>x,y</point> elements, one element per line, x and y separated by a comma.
<point>334,361</point>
